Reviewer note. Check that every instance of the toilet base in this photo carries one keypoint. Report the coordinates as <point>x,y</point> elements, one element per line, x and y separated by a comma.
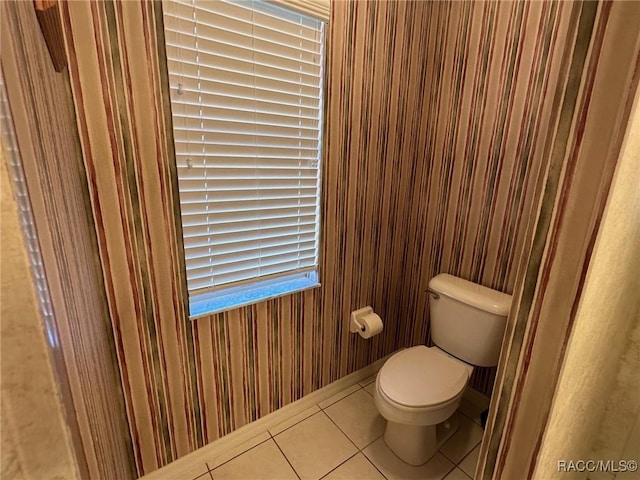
<point>415,444</point>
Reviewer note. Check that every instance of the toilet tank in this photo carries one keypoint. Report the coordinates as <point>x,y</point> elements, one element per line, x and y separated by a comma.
<point>467,319</point>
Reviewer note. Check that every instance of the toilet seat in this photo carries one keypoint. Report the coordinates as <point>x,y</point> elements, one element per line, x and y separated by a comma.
<point>422,378</point>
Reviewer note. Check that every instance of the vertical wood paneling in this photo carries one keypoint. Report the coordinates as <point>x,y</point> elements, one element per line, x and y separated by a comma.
<point>484,131</point>
<point>602,77</point>
<point>83,345</point>
<point>437,112</point>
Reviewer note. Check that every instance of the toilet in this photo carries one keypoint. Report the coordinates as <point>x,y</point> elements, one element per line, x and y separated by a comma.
<point>418,389</point>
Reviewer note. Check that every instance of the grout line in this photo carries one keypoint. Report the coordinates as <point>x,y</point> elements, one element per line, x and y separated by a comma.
<point>359,450</point>
<point>463,472</point>
<point>346,396</point>
<point>242,432</point>
<point>374,375</point>
<point>345,434</point>
<point>321,410</point>
<point>463,458</point>
<point>340,399</point>
<point>341,431</point>
<point>202,475</point>
<point>472,420</point>
<point>207,473</point>
<point>368,392</point>
<point>447,474</point>
<point>445,455</point>
<point>298,422</point>
<point>241,453</point>
<point>285,457</point>
<point>374,465</point>
<point>449,440</point>
<point>338,466</point>
<point>373,441</point>
<point>455,433</point>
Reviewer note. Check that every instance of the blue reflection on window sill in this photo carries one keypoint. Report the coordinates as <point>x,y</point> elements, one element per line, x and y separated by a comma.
<point>222,300</point>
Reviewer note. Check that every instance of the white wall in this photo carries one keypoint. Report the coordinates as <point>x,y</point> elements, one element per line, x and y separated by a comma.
<point>34,438</point>
<point>609,306</point>
<point>615,436</point>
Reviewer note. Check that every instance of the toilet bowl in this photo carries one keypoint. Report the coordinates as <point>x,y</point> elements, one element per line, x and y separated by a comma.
<point>418,389</point>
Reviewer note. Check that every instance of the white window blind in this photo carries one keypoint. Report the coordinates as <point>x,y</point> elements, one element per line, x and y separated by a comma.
<point>246,81</point>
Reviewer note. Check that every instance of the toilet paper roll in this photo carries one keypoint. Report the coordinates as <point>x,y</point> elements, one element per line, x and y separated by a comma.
<point>370,325</point>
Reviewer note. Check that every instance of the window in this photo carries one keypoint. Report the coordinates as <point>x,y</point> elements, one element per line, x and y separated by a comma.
<point>246,80</point>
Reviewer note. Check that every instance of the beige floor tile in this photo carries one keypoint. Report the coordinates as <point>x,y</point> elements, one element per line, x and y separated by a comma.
<point>368,380</point>
<point>370,388</point>
<point>394,468</point>
<point>315,446</point>
<point>356,468</point>
<point>457,474</point>
<point>217,456</point>
<point>468,465</point>
<point>468,436</point>
<point>204,476</point>
<point>180,469</point>
<point>357,416</point>
<point>293,420</point>
<point>473,404</point>
<point>264,462</point>
<point>338,396</point>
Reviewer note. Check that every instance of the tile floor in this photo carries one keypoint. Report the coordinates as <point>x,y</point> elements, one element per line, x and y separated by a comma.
<point>341,438</point>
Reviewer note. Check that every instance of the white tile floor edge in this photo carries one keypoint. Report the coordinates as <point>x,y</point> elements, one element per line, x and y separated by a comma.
<point>218,451</point>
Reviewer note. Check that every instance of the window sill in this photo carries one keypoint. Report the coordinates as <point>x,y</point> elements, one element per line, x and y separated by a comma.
<point>209,303</point>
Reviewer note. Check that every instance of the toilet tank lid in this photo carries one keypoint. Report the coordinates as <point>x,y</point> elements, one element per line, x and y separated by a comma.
<point>472,294</point>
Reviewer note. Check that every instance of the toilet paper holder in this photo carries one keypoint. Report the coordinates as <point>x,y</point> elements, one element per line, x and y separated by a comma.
<point>355,325</point>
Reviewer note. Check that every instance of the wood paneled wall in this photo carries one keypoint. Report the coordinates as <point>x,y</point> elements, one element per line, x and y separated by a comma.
<point>438,120</point>
<point>553,290</point>
<point>81,338</point>
<point>486,94</point>
<point>437,112</point>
